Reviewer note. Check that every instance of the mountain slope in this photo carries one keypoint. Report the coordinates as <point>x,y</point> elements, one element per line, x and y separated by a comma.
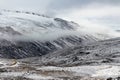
<point>35,26</point>
<point>96,61</point>
<point>29,34</point>
<point>101,52</point>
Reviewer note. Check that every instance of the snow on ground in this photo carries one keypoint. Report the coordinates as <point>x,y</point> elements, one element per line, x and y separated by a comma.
<point>101,71</point>
<point>26,75</point>
<point>12,74</point>
<point>8,63</point>
<point>37,77</point>
<point>113,71</point>
<point>34,72</point>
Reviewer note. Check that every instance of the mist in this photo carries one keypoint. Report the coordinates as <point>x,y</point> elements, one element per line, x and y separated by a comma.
<point>95,16</point>
<point>48,35</point>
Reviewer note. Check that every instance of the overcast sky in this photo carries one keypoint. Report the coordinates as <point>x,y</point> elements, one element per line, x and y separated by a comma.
<point>90,13</point>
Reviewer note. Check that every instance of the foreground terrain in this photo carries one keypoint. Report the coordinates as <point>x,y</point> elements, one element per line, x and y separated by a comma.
<point>19,70</point>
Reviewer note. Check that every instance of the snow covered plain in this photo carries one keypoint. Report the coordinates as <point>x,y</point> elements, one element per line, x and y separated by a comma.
<point>15,70</point>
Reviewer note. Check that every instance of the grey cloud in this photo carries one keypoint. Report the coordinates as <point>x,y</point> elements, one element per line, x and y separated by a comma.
<point>34,5</point>
<point>51,5</point>
<point>65,4</point>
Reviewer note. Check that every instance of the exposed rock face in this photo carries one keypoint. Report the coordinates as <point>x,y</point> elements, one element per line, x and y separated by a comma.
<point>101,52</point>
<point>22,49</point>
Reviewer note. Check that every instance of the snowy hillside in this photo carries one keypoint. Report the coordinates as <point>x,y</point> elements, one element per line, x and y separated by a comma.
<point>22,25</point>
<point>29,34</point>
<point>33,26</point>
<point>101,52</point>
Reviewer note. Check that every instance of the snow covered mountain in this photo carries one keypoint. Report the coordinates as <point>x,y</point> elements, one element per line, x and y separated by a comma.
<point>21,25</point>
<point>29,34</point>
<point>99,52</point>
<point>98,60</point>
<point>46,41</point>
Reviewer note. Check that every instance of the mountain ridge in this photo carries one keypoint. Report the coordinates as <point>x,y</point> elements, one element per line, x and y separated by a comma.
<point>28,34</point>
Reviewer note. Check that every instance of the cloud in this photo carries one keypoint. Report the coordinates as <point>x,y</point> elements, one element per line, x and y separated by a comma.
<point>96,18</point>
<point>30,5</point>
<point>68,4</point>
<point>92,12</point>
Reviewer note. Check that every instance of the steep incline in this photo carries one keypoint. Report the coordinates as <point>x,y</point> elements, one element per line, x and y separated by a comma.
<point>29,34</point>
<point>101,52</point>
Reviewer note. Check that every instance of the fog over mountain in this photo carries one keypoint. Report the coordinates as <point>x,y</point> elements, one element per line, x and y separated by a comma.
<point>92,14</point>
